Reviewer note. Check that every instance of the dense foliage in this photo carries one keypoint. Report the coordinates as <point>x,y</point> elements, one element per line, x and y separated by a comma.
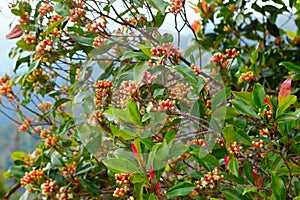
<point>134,100</point>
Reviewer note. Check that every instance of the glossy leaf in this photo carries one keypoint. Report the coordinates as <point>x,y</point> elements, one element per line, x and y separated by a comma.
<point>244,108</point>
<point>278,187</point>
<point>180,189</point>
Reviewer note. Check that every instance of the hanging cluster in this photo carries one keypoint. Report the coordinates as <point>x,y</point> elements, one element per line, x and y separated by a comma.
<point>127,90</point>
<point>223,60</point>
<point>246,77</point>
<point>124,180</point>
<point>235,148</point>
<point>102,91</point>
<point>167,51</point>
<point>50,187</point>
<point>32,177</point>
<point>45,9</point>
<point>176,6</point>
<point>6,87</point>
<point>196,69</point>
<point>209,180</point>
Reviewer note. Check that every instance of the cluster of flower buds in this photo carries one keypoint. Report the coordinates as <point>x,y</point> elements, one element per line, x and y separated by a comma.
<point>95,118</point>
<point>45,45</point>
<point>167,50</point>
<point>258,144</point>
<point>44,106</point>
<point>223,60</point>
<point>24,19</point>
<point>148,78</point>
<point>198,142</point>
<point>96,27</point>
<point>25,125</point>
<point>50,187</point>
<point>78,14</point>
<point>232,53</point>
<point>167,104</point>
<point>69,170</point>
<point>123,178</point>
<point>6,86</point>
<point>37,76</point>
<point>37,130</point>
<point>30,39</point>
<point>246,77</point>
<point>196,69</point>
<point>56,18</point>
<point>235,148</point>
<point>45,9</point>
<point>45,133</point>
<point>179,91</point>
<point>127,90</point>
<point>32,177</point>
<point>98,41</point>
<point>65,193</point>
<point>51,141</point>
<point>209,180</point>
<point>102,90</point>
<point>176,6</point>
<point>120,192</point>
<point>264,132</point>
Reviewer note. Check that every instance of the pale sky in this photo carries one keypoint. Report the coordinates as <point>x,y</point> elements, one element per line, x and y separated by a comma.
<point>5,18</point>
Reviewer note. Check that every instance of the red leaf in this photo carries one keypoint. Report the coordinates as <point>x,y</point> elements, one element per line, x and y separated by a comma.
<point>226,160</point>
<point>267,100</point>
<point>151,171</point>
<point>196,26</point>
<point>134,150</point>
<point>285,90</point>
<point>15,33</point>
<point>204,6</point>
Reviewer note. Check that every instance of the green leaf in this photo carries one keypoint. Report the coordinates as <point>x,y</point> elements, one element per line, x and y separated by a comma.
<point>160,5</point>
<point>286,117</point>
<point>246,97</point>
<point>278,188</point>
<point>243,137</point>
<point>91,187</point>
<point>286,103</point>
<point>139,71</point>
<point>56,159</point>
<point>229,135</point>
<point>126,135</point>
<point>258,95</point>
<point>146,50</point>
<point>233,167</point>
<point>19,155</point>
<point>251,189</point>
<point>134,54</point>
<point>232,194</point>
<point>294,169</point>
<point>158,157</point>
<point>83,40</point>
<point>244,108</point>
<point>186,72</point>
<point>290,66</point>
<point>62,9</point>
<point>180,189</point>
<point>134,113</point>
<point>16,172</point>
<point>120,165</point>
<point>247,169</point>
<point>219,98</point>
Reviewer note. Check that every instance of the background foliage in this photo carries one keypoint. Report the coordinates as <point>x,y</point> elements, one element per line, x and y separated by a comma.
<point>126,109</point>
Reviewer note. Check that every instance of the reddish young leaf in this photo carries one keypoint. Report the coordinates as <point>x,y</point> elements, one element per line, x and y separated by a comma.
<point>134,150</point>
<point>204,6</point>
<point>285,90</point>
<point>267,100</point>
<point>15,33</point>
<point>196,26</point>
